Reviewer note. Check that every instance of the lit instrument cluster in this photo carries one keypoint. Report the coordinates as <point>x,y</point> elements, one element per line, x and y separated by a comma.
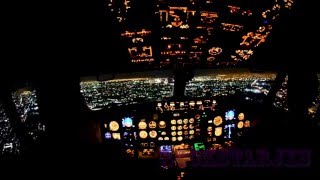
<point>173,123</point>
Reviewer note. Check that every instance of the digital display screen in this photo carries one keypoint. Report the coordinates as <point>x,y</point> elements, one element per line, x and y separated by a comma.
<point>127,122</point>
<point>199,146</point>
<point>166,148</point>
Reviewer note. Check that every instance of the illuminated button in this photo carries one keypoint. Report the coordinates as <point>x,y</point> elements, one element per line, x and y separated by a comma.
<point>179,128</point>
<point>179,121</point>
<point>163,133</point>
<point>173,121</point>
<point>191,126</point>
<point>173,133</point>
<point>185,121</point>
<point>174,139</point>
<point>173,128</point>
<point>185,133</point>
<point>191,132</point>
<point>179,133</point>
<point>209,128</point>
<point>180,138</point>
<point>197,116</point>
<point>166,138</point>
<point>160,138</point>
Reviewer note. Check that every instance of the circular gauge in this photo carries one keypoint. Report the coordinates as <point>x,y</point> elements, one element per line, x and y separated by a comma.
<point>240,125</point>
<point>191,120</point>
<point>191,136</point>
<point>174,139</point>
<point>142,125</point>
<point>241,116</point>
<point>217,120</point>
<point>163,133</point>
<point>162,124</point>
<point>179,128</point>
<point>152,124</point>
<point>143,134</point>
<point>180,138</point>
<point>173,128</point>
<point>185,127</point>
<point>173,133</point>
<point>247,124</point>
<point>173,121</point>
<point>160,138</point>
<point>191,132</point>
<point>185,133</point>
<point>215,51</point>
<point>179,121</point>
<point>166,138</point>
<point>218,131</point>
<point>191,126</point>
<point>197,116</point>
<point>116,136</point>
<point>209,128</point>
<point>185,121</point>
<point>179,133</point>
<point>114,126</point>
<point>153,134</point>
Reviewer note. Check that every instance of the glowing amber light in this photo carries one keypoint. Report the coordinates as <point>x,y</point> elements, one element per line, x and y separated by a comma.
<point>143,134</point>
<point>152,124</point>
<point>217,121</point>
<point>241,116</point>
<point>114,126</point>
<point>162,124</point>
<point>153,134</point>
<point>142,125</point>
<point>116,136</point>
<point>218,131</point>
<point>247,124</point>
<point>240,125</point>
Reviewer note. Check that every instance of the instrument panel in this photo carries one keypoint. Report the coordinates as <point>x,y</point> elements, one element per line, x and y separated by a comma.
<point>199,122</point>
